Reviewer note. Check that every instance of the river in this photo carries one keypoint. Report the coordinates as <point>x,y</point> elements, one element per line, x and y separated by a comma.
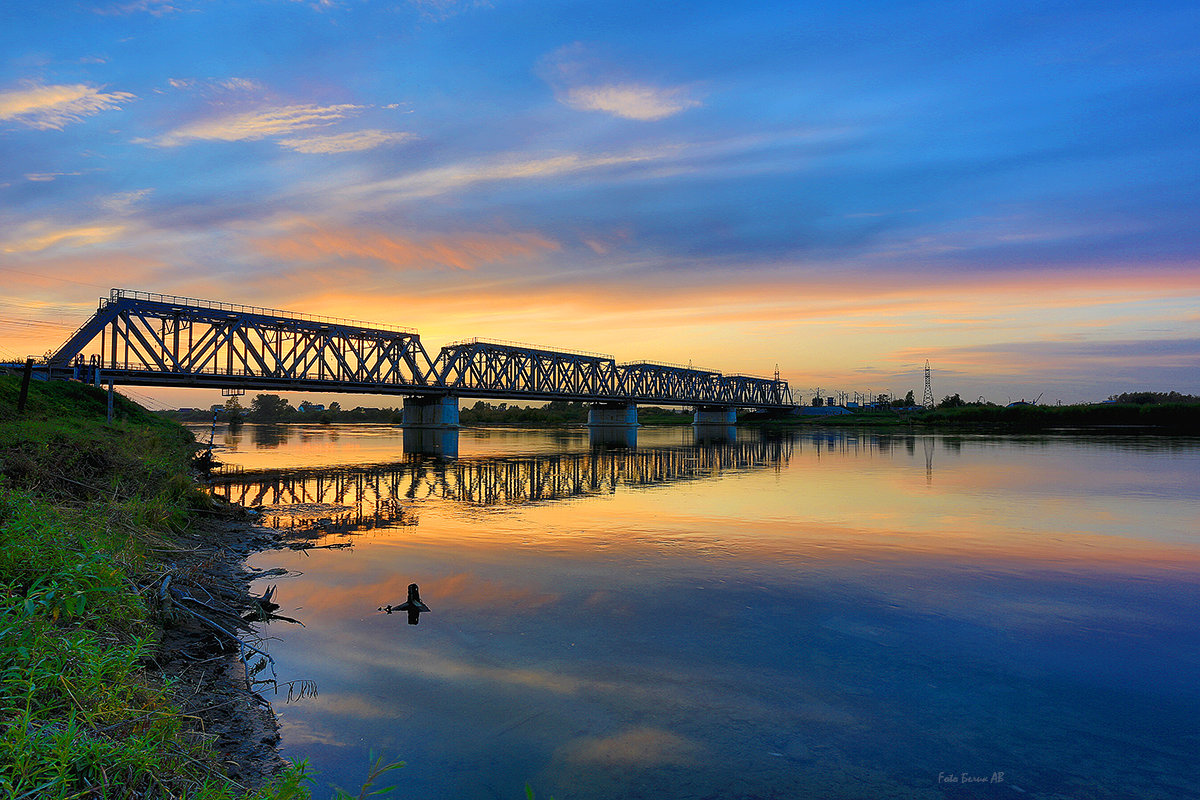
<point>735,614</point>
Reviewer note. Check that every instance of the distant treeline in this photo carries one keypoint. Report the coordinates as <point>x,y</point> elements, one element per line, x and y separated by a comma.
<point>273,408</point>
<point>1181,417</point>
<point>556,412</point>
<point>1153,398</point>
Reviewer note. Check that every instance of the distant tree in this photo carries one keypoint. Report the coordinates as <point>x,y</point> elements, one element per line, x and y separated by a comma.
<point>234,410</point>
<point>910,399</point>
<point>270,407</point>
<point>951,401</point>
<point>335,407</point>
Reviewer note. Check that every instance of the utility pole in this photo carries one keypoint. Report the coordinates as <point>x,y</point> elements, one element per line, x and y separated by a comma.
<point>26,376</point>
<point>928,401</point>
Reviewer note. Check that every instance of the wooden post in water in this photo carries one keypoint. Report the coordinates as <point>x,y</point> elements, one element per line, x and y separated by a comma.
<point>25,378</point>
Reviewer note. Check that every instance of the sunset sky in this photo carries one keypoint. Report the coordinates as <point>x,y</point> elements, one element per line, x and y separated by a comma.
<point>1010,190</point>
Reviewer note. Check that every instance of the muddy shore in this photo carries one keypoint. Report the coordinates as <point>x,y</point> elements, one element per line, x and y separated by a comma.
<point>206,667</point>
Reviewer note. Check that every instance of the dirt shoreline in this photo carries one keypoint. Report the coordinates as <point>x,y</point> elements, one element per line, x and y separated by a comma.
<point>206,667</point>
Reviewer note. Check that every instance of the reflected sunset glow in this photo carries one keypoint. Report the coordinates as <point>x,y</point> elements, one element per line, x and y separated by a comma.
<point>823,607</point>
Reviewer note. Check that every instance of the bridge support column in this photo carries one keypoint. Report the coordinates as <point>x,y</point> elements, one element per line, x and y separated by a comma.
<point>612,415</point>
<point>714,415</point>
<point>430,412</point>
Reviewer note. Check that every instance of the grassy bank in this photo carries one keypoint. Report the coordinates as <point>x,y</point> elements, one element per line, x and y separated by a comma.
<point>88,513</point>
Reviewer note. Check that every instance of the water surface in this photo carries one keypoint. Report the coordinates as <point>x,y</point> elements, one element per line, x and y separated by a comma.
<point>759,615</point>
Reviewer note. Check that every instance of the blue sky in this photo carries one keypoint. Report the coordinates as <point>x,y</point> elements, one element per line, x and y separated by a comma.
<point>1006,189</point>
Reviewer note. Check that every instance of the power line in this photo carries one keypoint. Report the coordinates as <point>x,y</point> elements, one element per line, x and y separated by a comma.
<point>51,277</point>
<point>148,402</point>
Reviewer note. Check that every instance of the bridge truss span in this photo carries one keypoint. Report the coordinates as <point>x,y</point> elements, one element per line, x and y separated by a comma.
<point>136,338</point>
<point>162,340</point>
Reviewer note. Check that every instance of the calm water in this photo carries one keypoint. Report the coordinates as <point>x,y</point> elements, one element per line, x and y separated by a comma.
<point>773,616</point>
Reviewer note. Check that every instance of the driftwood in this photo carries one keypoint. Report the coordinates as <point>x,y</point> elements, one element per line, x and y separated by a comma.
<point>200,606</point>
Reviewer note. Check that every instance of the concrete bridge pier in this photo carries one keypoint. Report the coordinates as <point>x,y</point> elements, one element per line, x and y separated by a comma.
<point>612,415</point>
<point>430,412</point>
<point>714,415</point>
<point>612,425</point>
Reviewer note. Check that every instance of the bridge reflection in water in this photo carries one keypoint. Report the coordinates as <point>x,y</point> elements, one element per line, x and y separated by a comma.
<point>344,499</point>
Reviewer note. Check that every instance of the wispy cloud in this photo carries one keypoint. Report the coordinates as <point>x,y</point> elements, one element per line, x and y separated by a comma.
<point>122,203</point>
<point>584,80</point>
<point>440,10</point>
<point>631,101</point>
<point>308,241</point>
<point>53,107</point>
<point>258,124</point>
<point>442,180</point>
<point>45,177</point>
<point>345,142</point>
<point>222,84</point>
<point>35,238</point>
<point>154,7</point>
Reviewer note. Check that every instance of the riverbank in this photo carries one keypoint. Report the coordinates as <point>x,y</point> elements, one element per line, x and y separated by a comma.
<point>1103,418</point>
<point>123,599</point>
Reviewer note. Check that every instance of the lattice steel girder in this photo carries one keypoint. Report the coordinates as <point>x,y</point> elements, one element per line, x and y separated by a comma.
<point>180,342</point>
<point>470,367</point>
<point>156,340</point>
<point>496,369</point>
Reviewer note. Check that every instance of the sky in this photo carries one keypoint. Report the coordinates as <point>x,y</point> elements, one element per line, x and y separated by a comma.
<point>1009,190</point>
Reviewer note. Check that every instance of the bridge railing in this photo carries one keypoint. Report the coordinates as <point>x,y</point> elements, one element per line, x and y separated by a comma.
<point>525,347</point>
<point>216,305</point>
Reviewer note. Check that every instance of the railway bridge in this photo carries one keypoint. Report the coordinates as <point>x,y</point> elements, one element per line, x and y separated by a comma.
<point>144,339</point>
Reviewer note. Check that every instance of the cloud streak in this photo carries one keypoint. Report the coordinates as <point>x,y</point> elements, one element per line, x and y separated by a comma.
<point>454,177</point>
<point>55,106</point>
<point>259,124</point>
<point>345,142</point>
<point>36,238</point>
<point>312,242</point>
<point>630,101</point>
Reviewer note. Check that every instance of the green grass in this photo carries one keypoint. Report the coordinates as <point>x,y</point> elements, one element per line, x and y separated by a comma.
<point>86,508</point>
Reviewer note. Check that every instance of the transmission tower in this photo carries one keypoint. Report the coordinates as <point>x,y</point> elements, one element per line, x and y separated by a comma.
<point>927,401</point>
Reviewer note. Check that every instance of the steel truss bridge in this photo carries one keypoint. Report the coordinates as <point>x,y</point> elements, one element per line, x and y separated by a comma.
<point>139,338</point>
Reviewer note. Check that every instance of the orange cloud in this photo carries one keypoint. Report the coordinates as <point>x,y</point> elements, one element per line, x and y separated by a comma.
<point>459,251</point>
<point>34,238</point>
<point>53,107</point>
<point>258,124</point>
